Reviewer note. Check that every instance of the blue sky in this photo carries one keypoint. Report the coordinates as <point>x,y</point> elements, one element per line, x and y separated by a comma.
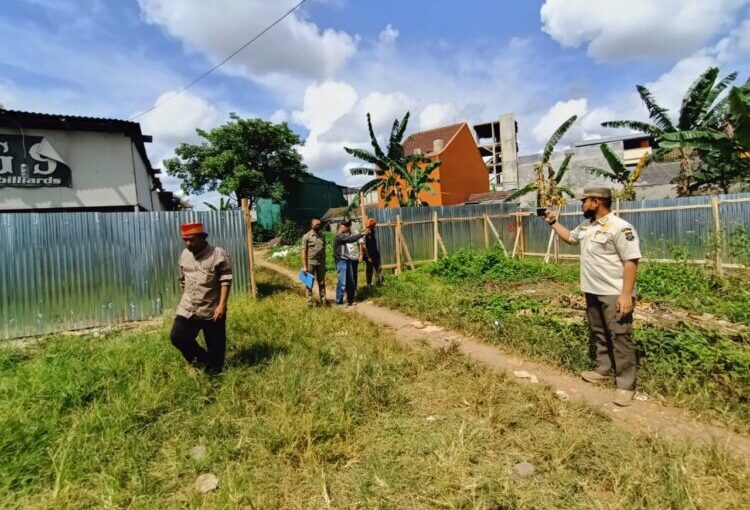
<point>324,68</point>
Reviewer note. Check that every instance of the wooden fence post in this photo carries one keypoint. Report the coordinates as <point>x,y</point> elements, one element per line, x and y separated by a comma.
<point>522,243</point>
<point>362,210</point>
<point>497,235</point>
<point>617,207</point>
<point>398,244</point>
<point>486,232</point>
<point>717,232</point>
<point>516,242</point>
<point>250,251</point>
<point>436,235</point>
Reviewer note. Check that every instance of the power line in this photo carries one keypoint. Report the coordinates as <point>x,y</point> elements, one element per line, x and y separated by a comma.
<point>214,68</point>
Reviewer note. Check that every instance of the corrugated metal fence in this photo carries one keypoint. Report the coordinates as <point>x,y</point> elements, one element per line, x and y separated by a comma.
<point>667,228</point>
<point>64,271</point>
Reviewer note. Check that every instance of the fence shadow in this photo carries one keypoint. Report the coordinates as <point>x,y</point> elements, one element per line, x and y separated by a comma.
<point>266,289</point>
<point>258,353</point>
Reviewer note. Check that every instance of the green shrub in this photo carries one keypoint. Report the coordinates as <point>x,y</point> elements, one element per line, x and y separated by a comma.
<point>493,265</point>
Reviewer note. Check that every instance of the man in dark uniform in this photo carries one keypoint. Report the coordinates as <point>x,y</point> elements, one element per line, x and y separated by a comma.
<point>205,277</point>
<point>314,260</point>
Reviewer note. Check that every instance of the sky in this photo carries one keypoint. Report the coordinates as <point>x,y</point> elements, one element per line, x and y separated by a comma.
<point>333,61</point>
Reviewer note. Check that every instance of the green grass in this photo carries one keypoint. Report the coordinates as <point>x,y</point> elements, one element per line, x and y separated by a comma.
<point>318,409</point>
<point>687,366</point>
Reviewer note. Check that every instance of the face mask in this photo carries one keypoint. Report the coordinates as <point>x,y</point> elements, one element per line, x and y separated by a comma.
<point>589,215</point>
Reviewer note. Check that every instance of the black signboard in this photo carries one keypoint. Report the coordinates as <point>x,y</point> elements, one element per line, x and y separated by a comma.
<point>31,162</point>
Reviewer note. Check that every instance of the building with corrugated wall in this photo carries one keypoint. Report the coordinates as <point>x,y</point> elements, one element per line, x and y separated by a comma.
<point>55,163</point>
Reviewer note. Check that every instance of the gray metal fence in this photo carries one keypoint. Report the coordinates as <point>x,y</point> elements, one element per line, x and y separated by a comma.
<point>66,271</point>
<point>668,228</point>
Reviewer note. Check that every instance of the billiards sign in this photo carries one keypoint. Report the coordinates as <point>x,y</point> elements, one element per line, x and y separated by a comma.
<point>31,162</point>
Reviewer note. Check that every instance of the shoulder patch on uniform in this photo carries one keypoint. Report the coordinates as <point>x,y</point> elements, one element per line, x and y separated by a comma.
<point>628,232</point>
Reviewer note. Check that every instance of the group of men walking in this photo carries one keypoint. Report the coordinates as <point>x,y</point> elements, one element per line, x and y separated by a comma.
<point>349,249</point>
<point>610,251</point>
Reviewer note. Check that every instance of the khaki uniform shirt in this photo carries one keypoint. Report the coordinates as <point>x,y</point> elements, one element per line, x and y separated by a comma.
<point>201,277</point>
<point>315,243</point>
<point>605,245</point>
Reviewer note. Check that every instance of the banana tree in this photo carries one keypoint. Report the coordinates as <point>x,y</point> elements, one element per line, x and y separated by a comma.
<point>396,175</point>
<point>700,111</point>
<point>550,192</point>
<point>724,150</point>
<point>618,172</point>
<point>223,205</point>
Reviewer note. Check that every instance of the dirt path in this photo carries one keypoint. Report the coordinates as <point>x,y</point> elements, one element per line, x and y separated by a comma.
<point>646,416</point>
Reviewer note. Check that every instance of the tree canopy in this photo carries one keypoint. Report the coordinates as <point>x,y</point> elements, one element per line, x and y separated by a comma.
<point>247,158</point>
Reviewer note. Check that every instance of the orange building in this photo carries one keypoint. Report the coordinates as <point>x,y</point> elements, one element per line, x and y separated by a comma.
<point>462,171</point>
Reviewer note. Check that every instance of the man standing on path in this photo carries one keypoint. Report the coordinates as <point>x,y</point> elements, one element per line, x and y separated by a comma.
<point>609,263</point>
<point>205,277</point>
<point>355,257</point>
<point>372,255</point>
<point>345,284</point>
<point>314,260</point>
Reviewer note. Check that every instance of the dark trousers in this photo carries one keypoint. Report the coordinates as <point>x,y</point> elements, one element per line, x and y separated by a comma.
<point>355,273</point>
<point>184,334</point>
<point>612,340</point>
<point>373,266</point>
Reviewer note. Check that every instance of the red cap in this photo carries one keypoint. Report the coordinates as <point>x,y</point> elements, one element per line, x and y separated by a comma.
<point>192,229</point>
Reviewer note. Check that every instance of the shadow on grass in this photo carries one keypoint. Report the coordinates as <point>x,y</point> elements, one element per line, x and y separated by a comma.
<point>257,354</point>
<point>266,289</point>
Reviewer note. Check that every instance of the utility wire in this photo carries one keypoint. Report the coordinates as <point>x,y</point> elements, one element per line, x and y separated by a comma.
<point>214,68</point>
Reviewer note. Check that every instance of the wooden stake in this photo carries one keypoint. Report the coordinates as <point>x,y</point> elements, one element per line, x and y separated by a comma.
<point>518,237</point>
<point>435,235</point>
<point>397,233</point>
<point>617,207</point>
<point>557,249</point>
<point>522,242</point>
<point>362,214</point>
<point>497,235</point>
<point>549,247</point>
<point>486,232</point>
<point>403,243</point>
<point>717,233</point>
<point>250,251</point>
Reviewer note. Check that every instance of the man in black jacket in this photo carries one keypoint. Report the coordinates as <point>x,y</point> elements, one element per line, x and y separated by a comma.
<point>345,284</point>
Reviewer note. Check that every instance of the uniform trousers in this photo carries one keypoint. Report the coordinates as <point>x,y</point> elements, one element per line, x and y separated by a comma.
<point>612,340</point>
<point>318,270</point>
<point>184,334</point>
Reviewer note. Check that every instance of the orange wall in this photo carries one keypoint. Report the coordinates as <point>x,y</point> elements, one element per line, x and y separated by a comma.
<point>462,173</point>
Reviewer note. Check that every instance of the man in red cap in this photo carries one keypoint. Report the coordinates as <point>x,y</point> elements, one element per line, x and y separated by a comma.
<point>205,278</point>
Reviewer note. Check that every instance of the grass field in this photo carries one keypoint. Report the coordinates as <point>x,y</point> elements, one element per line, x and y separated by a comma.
<point>687,364</point>
<point>318,409</point>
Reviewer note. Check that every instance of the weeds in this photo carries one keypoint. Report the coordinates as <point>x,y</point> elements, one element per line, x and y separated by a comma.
<point>693,368</point>
<point>318,409</point>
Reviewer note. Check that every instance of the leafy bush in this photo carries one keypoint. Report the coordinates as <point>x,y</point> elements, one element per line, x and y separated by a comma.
<point>493,265</point>
<point>288,231</point>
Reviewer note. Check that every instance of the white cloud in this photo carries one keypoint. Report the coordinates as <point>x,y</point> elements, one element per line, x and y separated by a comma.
<point>615,30</point>
<point>295,46</point>
<point>176,120</point>
<point>559,113</point>
<point>324,104</point>
<point>437,114</point>
<point>388,35</point>
<point>279,116</point>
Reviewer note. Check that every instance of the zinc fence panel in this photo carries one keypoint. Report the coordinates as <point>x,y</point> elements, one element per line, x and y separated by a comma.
<point>64,271</point>
<point>668,228</point>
